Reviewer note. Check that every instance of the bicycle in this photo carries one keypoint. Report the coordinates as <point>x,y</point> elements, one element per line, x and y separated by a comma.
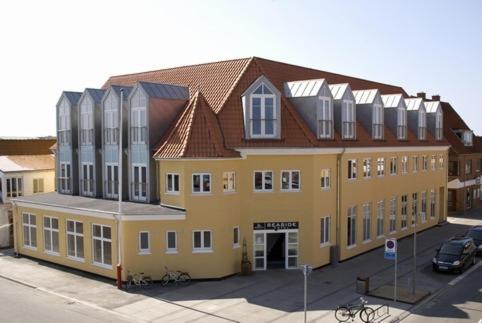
<point>344,312</point>
<point>138,279</point>
<point>177,277</point>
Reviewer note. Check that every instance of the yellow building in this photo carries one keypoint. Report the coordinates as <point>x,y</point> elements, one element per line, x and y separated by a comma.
<point>291,164</point>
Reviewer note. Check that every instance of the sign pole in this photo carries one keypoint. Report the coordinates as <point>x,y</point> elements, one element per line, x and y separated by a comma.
<point>306,285</point>
<point>395,284</point>
<point>306,272</point>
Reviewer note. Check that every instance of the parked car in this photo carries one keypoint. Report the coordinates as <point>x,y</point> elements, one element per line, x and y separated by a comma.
<point>455,255</point>
<point>476,234</point>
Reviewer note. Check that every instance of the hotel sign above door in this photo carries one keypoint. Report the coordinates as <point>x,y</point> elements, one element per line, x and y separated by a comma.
<point>275,225</point>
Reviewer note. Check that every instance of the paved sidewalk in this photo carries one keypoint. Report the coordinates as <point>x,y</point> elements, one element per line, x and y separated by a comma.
<point>272,296</point>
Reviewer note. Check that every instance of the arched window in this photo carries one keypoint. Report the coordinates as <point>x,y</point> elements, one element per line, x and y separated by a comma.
<point>263,118</point>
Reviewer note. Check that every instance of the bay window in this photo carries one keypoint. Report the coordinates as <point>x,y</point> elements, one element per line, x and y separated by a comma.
<point>439,124</point>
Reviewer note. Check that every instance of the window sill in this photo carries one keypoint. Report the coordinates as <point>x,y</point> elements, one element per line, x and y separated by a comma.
<point>392,232</point>
<point>100,265</point>
<point>290,191</point>
<point>351,180</point>
<point>229,192</point>
<point>325,244</point>
<point>367,241</point>
<point>202,251</point>
<point>76,259</point>
<point>263,191</point>
<point>367,177</point>
<point>171,252</point>
<point>52,253</point>
<point>201,194</point>
<point>351,247</point>
<point>236,246</point>
<point>173,193</point>
<point>403,229</point>
<point>144,253</point>
<point>325,189</point>
<point>30,248</point>
<point>381,237</point>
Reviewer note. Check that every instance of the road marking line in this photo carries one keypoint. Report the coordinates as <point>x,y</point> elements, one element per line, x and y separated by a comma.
<point>456,280</point>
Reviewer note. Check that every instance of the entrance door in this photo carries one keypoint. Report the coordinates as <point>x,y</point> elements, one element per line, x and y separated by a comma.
<point>259,251</point>
<point>112,181</point>
<point>139,185</point>
<point>276,250</point>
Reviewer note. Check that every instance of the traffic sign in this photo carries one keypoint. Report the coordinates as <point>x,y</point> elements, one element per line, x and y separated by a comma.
<point>390,249</point>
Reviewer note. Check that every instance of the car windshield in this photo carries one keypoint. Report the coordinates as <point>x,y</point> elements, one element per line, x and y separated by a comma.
<point>450,249</point>
<point>476,234</point>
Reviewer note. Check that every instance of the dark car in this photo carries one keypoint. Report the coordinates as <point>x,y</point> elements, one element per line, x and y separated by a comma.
<point>455,254</point>
<point>476,234</point>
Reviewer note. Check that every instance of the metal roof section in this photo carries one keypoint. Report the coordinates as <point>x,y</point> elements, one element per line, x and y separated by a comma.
<point>432,106</point>
<point>165,91</point>
<point>304,88</point>
<point>21,163</point>
<point>338,90</point>
<point>414,104</point>
<point>393,100</point>
<point>118,88</point>
<point>95,94</point>
<point>365,96</point>
<point>73,97</point>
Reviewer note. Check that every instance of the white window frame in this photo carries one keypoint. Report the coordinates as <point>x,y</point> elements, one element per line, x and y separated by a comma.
<point>348,119</point>
<point>433,203</point>
<point>325,226</point>
<point>86,124</point>
<point>139,185</point>
<point>111,124</point>
<point>404,212</point>
<point>402,123</point>
<point>351,231</point>
<point>236,236</point>
<point>378,122</point>
<point>263,181</point>
<point>325,118</point>
<point>424,163</point>
<point>88,176</point>
<point>262,98</point>
<point>393,166</point>
<point>202,248</point>
<point>422,125</point>
<point>367,168</point>
<point>381,166</point>
<point>393,215</point>
<point>423,212</point>
<point>64,137</point>
<point>112,185</point>
<point>171,182</point>
<point>75,234</point>
<point>367,215</point>
<point>38,185</point>
<point>102,240</point>
<point>31,244</point>
<point>415,164</point>
<point>439,124</point>
<point>65,177</point>
<point>441,162</point>
<point>414,208</point>
<point>138,126</point>
<point>352,169</point>
<point>325,179</point>
<point>433,162</point>
<point>290,181</point>
<point>52,231</point>
<point>404,163</point>
<point>380,219</point>
<point>144,251</point>
<point>229,182</point>
<point>168,249</point>
<point>10,192</point>
<point>201,182</point>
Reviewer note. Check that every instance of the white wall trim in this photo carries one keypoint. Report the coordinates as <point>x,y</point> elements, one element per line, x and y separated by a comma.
<point>153,217</point>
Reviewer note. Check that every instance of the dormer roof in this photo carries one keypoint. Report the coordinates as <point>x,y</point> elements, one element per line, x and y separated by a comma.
<point>338,90</point>
<point>117,89</point>
<point>95,94</point>
<point>304,88</point>
<point>414,103</point>
<point>73,97</point>
<point>366,96</point>
<point>393,100</point>
<point>165,91</point>
<point>432,106</point>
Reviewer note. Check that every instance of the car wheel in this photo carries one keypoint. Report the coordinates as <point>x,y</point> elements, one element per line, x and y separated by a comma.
<point>434,268</point>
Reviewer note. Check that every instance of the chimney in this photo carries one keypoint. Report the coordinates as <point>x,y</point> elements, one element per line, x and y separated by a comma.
<point>421,95</point>
<point>436,97</point>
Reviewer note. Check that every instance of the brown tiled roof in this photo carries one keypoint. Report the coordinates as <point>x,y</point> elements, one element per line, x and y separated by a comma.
<point>27,146</point>
<point>195,134</point>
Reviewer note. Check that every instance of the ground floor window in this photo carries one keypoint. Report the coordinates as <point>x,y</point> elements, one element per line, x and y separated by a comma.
<point>236,237</point>
<point>75,239</point>
<point>64,178</point>
<point>29,230</point>
<point>403,212</point>
<point>171,242</point>
<point>351,227</point>
<point>414,208</point>
<point>292,250</point>
<point>51,235</point>
<point>380,218</point>
<point>202,241</point>
<point>432,203</point>
<point>102,244</point>
<point>367,213</point>
<point>325,230</point>
<point>424,207</point>
<point>144,243</point>
<point>393,215</point>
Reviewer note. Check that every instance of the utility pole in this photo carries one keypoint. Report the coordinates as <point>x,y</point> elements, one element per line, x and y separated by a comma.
<point>119,211</point>
<point>414,252</point>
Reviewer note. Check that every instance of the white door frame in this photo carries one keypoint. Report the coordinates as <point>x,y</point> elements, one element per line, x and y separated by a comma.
<point>133,188</point>
<point>265,232</point>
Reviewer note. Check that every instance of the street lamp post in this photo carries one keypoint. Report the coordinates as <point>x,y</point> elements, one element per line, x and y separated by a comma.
<point>307,269</point>
<point>414,254</point>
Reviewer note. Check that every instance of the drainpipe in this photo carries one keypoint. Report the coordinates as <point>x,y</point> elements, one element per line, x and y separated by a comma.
<point>338,207</point>
<point>119,213</point>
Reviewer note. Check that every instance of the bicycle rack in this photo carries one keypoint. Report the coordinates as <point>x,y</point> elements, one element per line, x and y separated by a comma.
<point>382,310</point>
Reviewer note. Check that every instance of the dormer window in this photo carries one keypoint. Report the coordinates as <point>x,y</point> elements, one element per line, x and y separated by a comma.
<point>377,122</point>
<point>465,136</point>
<point>401,123</point>
<point>263,113</point>
<point>64,136</point>
<point>138,125</point>
<point>111,125</point>
<point>422,125</point>
<point>325,118</point>
<point>438,125</point>
<point>348,118</point>
<point>86,124</point>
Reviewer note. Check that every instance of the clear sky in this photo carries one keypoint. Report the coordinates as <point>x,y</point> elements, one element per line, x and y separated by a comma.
<point>49,46</point>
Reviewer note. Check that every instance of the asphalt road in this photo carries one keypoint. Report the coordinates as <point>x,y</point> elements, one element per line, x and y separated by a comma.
<point>19,303</point>
<point>459,303</point>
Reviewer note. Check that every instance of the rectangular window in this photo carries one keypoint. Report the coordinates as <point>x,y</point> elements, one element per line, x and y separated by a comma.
<point>352,169</point>
<point>138,125</point>
<point>172,183</point>
<point>86,124</point>
<point>393,214</point>
<point>367,214</point>
<point>424,207</point>
<point>422,125</point>
<point>111,125</point>
<point>479,164</point>
<point>144,243</point>
<point>325,178</point>
<point>402,124</point>
<point>38,185</point>
<point>29,230</point>
<point>263,113</point>
<point>139,184</point>
<point>112,181</point>
<point>414,208</point>
<point>201,241</point>
<point>263,181</point>
<point>403,212</point>
<point>351,227</point>
<point>236,237</point>
<point>51,235</point>
<point>453,168</point>
<point>380,166</point>
<point>75,240</point>
<point>432,203</point>
<point>87,180</point>
<point>377,120</point>
<point>424,163</point>
<point>102,245</point>
<point>290,180</point>
<point>468,167</point>
<point>348,119</point>
<point>229,181</point>
<point>325,230</point>
<point>325,118</point>
<point>415,164</point>
<point>441,162</point>
<point>380,218</point>
<point>367,168</point>
<point>433,162</point>
<point>14,186</point>
<point>201,183</point>
<point>404,164</point>
<point>393,165</point>
<point>64,178</point>
<point>171,242</point>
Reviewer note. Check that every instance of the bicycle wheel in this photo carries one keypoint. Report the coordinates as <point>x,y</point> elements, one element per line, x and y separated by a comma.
<point>184,278</point>
<point>147,280</point>
<point>342,314</point>
<point>165,280</point>
<point>367,314</point>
